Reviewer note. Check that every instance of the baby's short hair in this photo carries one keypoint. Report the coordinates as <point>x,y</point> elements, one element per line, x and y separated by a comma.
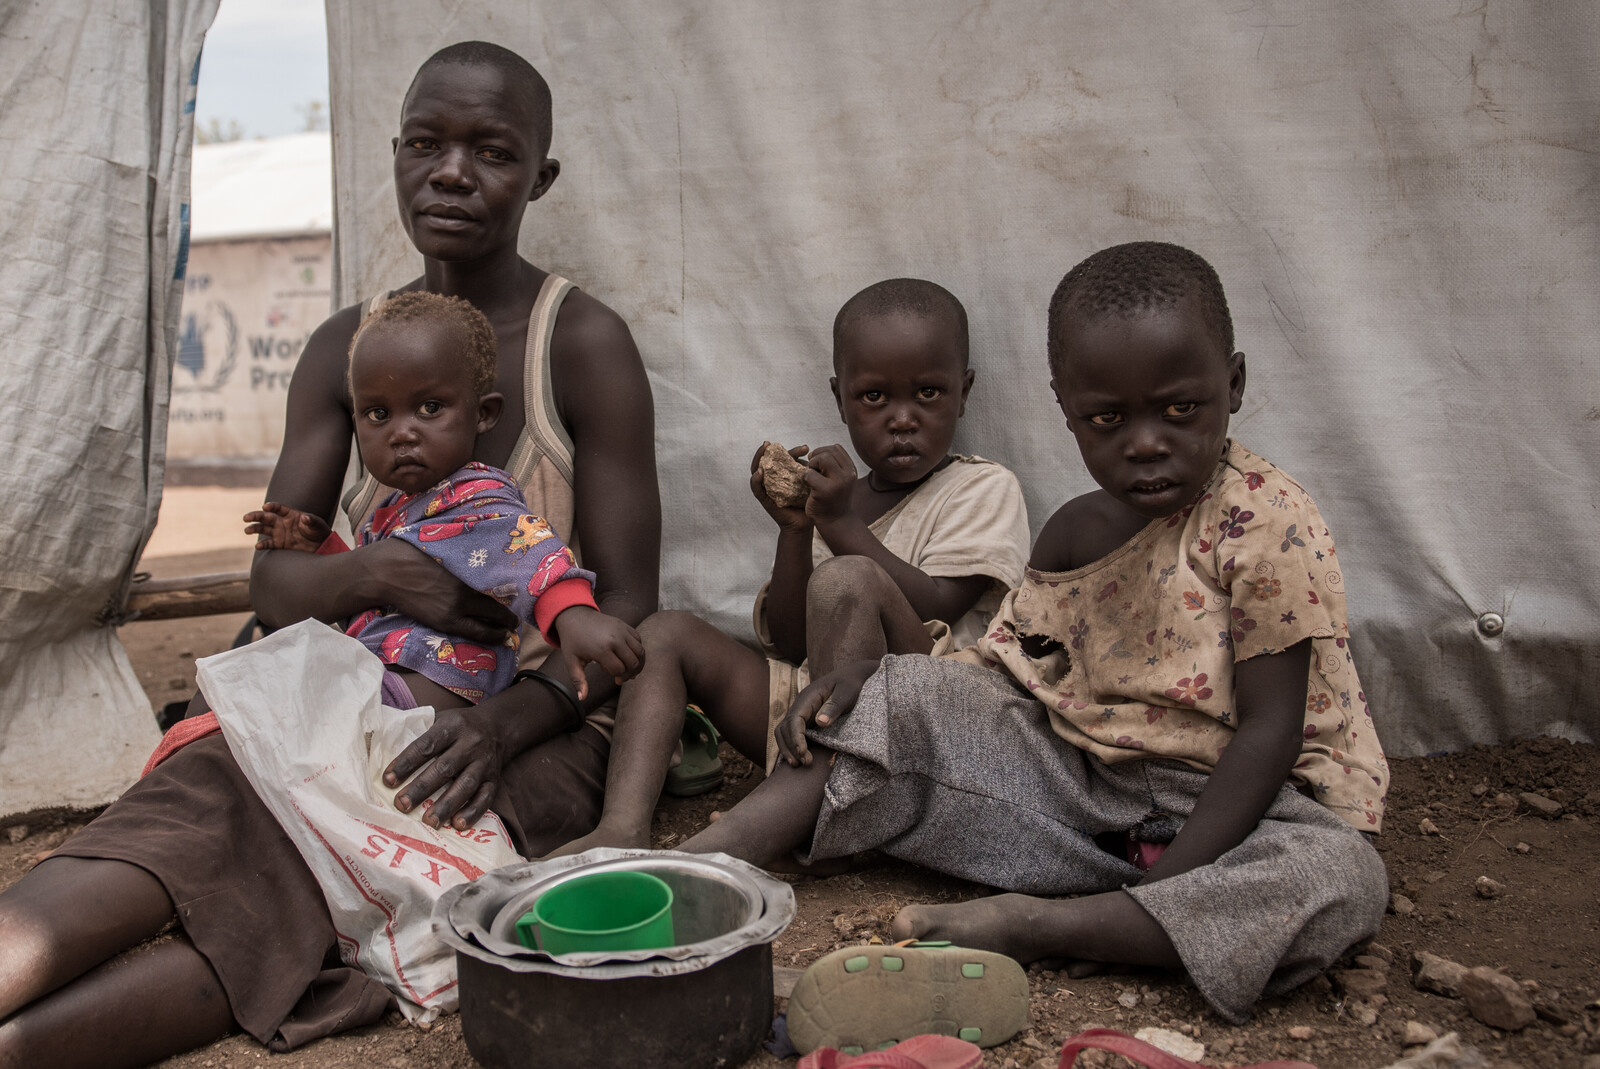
<point>479,348</point>
<point>1140,275</point>
<point>517,71</point>
<point>915,296</point>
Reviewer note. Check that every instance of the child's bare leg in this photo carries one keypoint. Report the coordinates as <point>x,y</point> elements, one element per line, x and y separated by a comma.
<point>1109,927</point>
<point>775,819</point>
<point>855,612</point>
<point>58,924</point>
<point>683,655</point>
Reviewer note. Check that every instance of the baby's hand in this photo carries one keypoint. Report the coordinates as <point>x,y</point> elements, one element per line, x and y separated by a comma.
<point>588,635</point>
<point>281,527</point>
<point>795,518</point>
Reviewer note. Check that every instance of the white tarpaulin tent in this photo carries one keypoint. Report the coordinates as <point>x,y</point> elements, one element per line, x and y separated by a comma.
<point>1400,198</point>
<point>96,106</point>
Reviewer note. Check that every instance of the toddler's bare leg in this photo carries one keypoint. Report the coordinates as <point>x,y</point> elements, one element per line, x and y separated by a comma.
<point>775,819</point>
<point>855,612</point>
<point>59,1005</point>
<point>1109,927</point>
<point>684,655</point>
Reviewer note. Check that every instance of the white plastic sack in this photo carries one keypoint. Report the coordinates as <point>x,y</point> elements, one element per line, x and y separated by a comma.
<point>301,712</point>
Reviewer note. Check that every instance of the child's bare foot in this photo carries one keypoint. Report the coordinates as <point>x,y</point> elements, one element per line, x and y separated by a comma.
<point>1109,927</point>
<point>997,923</point>
<point>603,836</point>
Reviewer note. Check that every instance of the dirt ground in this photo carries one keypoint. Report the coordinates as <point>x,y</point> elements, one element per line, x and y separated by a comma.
<point>1453,821</point>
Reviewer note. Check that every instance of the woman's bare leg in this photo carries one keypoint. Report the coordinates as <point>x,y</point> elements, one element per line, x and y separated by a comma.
<point>72,989</point>
<point>140,1007</point>
<point>67,916</point>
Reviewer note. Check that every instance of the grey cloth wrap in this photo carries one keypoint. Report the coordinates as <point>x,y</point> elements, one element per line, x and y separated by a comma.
<point>957,769</point>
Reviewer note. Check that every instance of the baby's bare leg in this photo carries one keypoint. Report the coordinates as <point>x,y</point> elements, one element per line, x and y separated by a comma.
<point>1109,927</point>
<point>684,656</point>
<point>855,612</point>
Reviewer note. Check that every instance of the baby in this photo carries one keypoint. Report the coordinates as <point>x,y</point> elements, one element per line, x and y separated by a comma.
<point>1163,719</point>
<point>422,368</point>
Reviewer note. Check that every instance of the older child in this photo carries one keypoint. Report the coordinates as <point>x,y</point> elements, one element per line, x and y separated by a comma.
<point>918,550</point>
<point>1174,670</point>
<point>422,369</point>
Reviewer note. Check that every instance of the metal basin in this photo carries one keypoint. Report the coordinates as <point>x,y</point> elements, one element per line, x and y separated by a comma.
<point>706,1001</point>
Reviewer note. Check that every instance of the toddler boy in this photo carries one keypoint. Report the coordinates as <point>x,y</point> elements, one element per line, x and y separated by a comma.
<point>912,557</point>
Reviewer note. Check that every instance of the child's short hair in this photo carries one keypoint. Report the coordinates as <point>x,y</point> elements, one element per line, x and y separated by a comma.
<point>517,71</point>
<point>479,348</point>
<point>1130,278</point>
<point>915,296</point>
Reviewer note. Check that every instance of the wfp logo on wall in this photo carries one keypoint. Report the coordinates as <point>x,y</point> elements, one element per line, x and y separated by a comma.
<point>208,349</point>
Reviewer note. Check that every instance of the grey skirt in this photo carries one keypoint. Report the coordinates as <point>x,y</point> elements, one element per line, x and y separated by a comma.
<point>957,769</point>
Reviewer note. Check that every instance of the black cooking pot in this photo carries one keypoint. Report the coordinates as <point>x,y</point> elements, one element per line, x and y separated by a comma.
<point>705,1002</point>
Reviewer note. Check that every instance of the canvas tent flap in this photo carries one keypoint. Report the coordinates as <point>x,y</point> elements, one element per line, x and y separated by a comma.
<point>1399,199</point>
<point>96,106</point>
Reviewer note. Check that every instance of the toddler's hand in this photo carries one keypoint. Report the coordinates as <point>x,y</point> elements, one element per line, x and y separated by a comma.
<point>825,701</point>
<point>832,479</point>
<point>793,519</point>
<point>588,635</point>
<point>281,527</point>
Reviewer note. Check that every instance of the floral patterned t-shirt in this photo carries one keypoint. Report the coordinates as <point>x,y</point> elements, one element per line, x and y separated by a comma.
<point>1133,655</point>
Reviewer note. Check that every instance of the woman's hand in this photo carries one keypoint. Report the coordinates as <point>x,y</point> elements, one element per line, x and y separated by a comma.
<point>825,701</point>
<point>460,753</point>
<point>402,576</point>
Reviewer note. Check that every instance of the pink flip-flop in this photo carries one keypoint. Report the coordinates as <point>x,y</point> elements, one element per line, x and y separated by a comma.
<point>918,1052</point>
<point>1147,1054</point>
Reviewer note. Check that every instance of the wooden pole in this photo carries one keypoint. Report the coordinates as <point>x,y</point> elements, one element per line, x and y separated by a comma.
<point>193,595</point>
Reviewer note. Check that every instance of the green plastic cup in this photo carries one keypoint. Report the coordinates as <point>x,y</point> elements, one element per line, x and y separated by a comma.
<point>624,910</point>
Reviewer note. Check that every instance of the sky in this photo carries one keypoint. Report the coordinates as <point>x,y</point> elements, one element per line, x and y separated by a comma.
<point>263,62</point>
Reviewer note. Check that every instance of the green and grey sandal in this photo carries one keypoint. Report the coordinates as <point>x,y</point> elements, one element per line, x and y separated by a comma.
<point>867,997</point>
<point>701,768</point>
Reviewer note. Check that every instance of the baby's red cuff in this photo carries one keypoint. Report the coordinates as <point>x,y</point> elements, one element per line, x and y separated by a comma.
<point>332,544</point>
<point>563,595</point>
